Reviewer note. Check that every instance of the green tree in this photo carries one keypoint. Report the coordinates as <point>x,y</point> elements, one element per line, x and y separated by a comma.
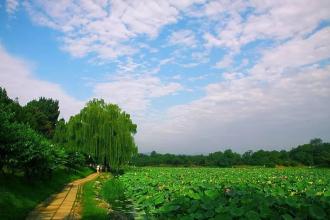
<point>303,154</point>
<point>22,149</point>
<point>11,106</point>
<point>102,131</point>
<point>42,115</point>
<point>60,133</point>
<point>316,142</point>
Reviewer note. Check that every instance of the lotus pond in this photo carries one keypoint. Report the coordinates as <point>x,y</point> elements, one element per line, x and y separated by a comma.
<point>227,193</point>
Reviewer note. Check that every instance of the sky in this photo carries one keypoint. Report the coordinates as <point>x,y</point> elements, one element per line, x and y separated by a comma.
<point>196,76</point>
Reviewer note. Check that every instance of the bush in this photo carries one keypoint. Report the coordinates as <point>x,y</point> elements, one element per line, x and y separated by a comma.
<point>36,156</point>
<point>75,160</point>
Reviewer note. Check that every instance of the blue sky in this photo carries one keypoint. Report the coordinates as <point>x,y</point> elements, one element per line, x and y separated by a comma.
<point>196,76</point>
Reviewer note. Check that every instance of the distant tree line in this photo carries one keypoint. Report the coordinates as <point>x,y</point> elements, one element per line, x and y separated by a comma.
<point>315,153</point>
<point>34,142</point>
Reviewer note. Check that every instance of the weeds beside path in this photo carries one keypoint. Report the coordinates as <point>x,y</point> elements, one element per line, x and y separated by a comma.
<point>92,204</point>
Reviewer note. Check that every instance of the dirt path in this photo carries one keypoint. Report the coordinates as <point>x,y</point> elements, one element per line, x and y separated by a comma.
<point>61,205</point>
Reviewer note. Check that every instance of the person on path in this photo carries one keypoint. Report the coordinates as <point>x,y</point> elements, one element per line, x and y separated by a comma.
<point>98,168</point>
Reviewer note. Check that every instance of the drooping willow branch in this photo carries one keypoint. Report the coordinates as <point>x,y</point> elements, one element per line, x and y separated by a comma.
<point>101,130</point>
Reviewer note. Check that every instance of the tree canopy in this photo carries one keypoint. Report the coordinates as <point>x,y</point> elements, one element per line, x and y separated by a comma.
<point>42,115</point>
<point>102,131</point>
<point>21,147</point>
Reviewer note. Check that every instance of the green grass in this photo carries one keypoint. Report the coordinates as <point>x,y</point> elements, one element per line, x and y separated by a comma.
<point>90,206</point>
<point>18,196</point>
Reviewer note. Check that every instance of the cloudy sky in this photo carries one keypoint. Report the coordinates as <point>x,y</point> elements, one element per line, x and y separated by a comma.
<point>196,76</point>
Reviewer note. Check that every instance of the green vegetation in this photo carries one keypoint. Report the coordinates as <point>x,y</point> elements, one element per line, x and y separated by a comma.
<point>18,197</point>
<point>42,115</point>
<point>31,166</point>
<point>36,147</point>
<point>104,198</point>
<point>91,200</point>
<point>23,149</point>
<point>102,131</point>
<point>113,190</point>
<point>229,193</point>
<point>34,142</point>
<point>315,153</point>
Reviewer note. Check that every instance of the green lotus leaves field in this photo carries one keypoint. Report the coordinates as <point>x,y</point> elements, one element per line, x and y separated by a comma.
<point>228,193</point>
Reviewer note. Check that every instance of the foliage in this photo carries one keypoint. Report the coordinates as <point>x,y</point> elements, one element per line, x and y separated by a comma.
<point>42,115</point>
<point>91,208</point>
<point>225,159</point>
<point>60,133</point>
<point>316,153</point>
<point>75,160</point>
<point>18,197</point>
<point>102,131</point>
<point>35,155</point>
<point>23,149</point>
<point>231,193</point>
<point>34,142</point>
<point>7,134</point>
<point>9,105</point>
<point>113,190</point>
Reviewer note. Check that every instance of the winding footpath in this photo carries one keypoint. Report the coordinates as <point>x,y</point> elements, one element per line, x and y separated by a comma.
<point>61,205</point>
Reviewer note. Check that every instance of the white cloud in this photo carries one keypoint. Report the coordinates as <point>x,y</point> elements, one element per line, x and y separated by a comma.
<point>211,40</point>
<point>134,93</point>
<point>293,54</point>
<point>242,114</point>
<point>17,78</point>
<point>11,6</point>
<point>283,19</point>
<point>273,20</point>
<point>105,27</point>
<point>183,37</point>
<point>226,61</point>
<point>218,9</point>
<point>284,98</point>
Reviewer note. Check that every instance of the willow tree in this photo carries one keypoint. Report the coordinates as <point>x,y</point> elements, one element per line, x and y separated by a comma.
<point>102,131</point>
